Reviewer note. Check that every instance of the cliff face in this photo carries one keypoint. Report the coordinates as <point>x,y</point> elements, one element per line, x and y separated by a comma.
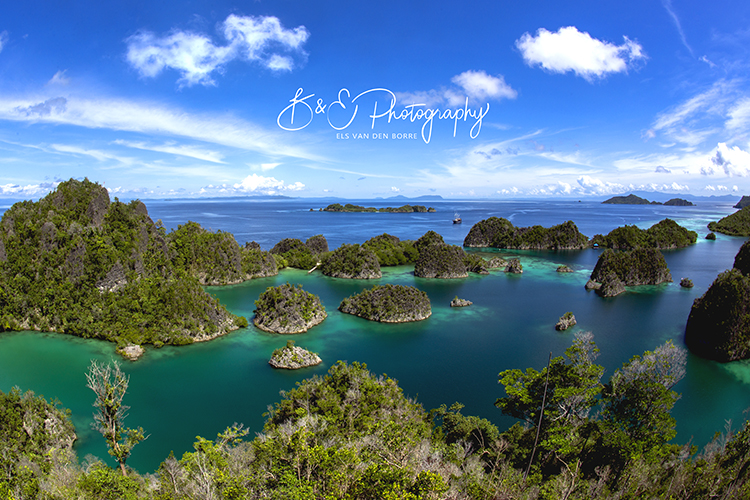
<point>642,266</point>
<point>389,304</point>
<point>75,262</point>
<point>501,233</point>
<point>718,326</point>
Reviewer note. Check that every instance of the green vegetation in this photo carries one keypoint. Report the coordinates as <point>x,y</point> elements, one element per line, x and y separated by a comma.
<point>389,304</point>
<point>34,434</point>
<point>642,266</point>
<point>630,199</point>
<point>718,326</point>
<point>736,224</point>
<point>498,232</point>
<point>663,235</point>
<point>75,263</point>
<point>351,262</point>
<point>292,357</point>
<point>216,258</point>
<point>678,202</point>
<point>294,253</point>
<point>287,309</point>
<point>338,207</point>
<point>110,385</point>
<point>744,201</point>
<point>391,251</point>
<point>353,435</point>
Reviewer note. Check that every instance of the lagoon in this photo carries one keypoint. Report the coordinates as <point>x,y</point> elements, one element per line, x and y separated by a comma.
<point>178,393</point>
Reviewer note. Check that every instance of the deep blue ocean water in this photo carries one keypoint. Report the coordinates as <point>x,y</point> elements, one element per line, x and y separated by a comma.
<point>177,393</point>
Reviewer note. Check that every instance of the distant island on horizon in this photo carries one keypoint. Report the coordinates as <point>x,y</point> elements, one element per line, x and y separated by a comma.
<point>632,199</point>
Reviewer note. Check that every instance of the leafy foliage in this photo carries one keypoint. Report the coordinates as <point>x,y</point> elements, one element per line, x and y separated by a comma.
<point>391,251</point>
<point>389,304</point>
<point>498,232</point>
<point>75,263</point>
<point>351,261</point>
<point>295,253</point>
<point>662,235</point>
<point>736,224</point>
<point>287,309</point>
<point>642,266</point>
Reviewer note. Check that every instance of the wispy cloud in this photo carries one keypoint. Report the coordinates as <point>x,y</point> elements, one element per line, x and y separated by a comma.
<point>571,50</point>
<point>676,20</point>
<point>197,58</point>
<point>175,149</point>
<point>3,39</point>
<point>152,118</point>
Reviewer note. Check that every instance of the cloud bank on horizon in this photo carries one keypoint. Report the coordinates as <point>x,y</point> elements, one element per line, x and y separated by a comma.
<point>160,102</point>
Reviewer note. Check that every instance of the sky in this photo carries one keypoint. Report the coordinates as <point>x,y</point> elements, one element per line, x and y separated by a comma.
<point>473,99</point>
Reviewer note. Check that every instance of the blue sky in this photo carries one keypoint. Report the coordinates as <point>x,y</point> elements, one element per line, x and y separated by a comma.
<point>488,99</point>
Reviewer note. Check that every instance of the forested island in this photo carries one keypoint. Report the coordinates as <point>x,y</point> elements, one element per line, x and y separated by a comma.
<point>616,270</point>
<point>288,309</point>
<point>389,304</point>
<point>75,262</point>
<point>405,209</point>
<point>666,234</point>
<point>498,232</point>
<point>736,224</point>
<point>632,199</point>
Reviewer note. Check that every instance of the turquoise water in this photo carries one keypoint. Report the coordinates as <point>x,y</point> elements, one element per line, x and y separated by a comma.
<point>455,355</point>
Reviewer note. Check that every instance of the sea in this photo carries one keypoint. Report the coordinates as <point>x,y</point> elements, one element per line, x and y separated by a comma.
<point>178,393</point>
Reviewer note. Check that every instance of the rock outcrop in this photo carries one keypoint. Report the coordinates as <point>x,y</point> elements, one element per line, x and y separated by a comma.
<point>564,269</point>
<point>686,283</point>
<point>514,266</point>
<point>288,309</point>
<point>456,302</point>
<point>131,351</point>
<point>389,304</point>
<point>292,357</point>
<point>566,321</point>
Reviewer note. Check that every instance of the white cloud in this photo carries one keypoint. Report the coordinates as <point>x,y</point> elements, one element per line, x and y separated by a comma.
<point>94,153</point>
<point>571,50</point>
<point>27,191</point>
<point>255,183</point>
<point>59,78</point>
<point>3,39</point>
<point>394,189</point>
<point>592,185</point>
<point>175,149</point>
<point>734,161</point>
<point>476,85</point>
<point>483,87</point>
<point>195,56</point>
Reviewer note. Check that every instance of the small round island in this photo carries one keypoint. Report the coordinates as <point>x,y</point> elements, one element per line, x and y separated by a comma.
<point>288,309</point>
<point>389,304</point>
